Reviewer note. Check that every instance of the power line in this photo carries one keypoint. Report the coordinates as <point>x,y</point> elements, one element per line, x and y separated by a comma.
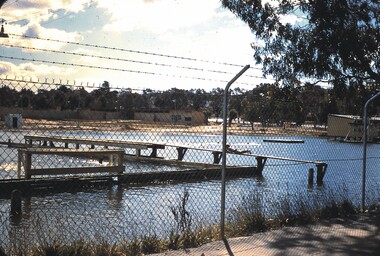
<point>133,51</point>
<point>119,69</point>
<point>126,60</point>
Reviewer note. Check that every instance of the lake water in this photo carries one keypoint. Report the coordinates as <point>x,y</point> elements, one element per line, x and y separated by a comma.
<point>124,212</point>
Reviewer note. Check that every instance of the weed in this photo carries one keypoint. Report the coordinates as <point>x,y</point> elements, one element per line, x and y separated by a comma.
<point>183,235</point>
<point>131,248</point>
<point>249,217</point>
<point>150,244</point>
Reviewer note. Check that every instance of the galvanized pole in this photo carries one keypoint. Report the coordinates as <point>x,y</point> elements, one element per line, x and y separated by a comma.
<point>365,148</point>
<point>224,161</point>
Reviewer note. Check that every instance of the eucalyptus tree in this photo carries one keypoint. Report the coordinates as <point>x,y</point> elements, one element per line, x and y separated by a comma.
<point>198,98</point>
<point>320,40</point>
<point>105,98</point>
<point>7,96</point>
<point>2,2</point>
<point>25,98</point>
<point>260,103</point>
<point>216,102</point>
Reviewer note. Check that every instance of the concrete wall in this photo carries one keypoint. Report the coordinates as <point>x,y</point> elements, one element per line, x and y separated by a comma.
<point>173,117</point>
<point>61,115</point>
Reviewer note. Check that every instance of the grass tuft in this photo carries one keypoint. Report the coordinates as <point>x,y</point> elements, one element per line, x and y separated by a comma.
<point>246,219</point>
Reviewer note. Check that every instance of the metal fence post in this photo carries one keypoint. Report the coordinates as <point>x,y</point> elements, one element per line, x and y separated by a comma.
<point>223,186</point>
<point>365,148</point>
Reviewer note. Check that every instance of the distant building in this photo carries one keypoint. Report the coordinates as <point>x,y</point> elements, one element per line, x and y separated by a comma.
<point>350,128</point>
<point>184,117</point>
<point>13,120</point>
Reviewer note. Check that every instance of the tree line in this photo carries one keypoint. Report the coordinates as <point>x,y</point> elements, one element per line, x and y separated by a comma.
<point>267,103</point>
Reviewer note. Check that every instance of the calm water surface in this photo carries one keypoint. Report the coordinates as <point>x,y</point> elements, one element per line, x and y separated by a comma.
<point>125,212</point>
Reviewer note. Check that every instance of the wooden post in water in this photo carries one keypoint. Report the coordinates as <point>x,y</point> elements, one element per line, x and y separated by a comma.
<point>16,202</point>
<point>120,164</point>
<point>20,163</point>
<point>321,169</point>
<point>310,179</point>
<point>27,165</point>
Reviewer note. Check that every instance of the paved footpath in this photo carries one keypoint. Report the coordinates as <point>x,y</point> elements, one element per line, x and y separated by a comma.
<point>332,237</point>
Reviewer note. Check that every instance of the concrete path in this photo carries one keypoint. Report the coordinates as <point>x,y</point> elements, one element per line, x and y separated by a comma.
<point>333,237</point>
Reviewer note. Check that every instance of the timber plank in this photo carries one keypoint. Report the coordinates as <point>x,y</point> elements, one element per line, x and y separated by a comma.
<point>76,170</point>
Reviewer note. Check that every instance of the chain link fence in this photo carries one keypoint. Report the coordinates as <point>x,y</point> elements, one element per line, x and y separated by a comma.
<point>140,172</point>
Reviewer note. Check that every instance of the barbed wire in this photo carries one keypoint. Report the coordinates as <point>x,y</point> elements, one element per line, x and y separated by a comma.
<point>133,51</point>
<point>127,60</point>
<point>120,69</point>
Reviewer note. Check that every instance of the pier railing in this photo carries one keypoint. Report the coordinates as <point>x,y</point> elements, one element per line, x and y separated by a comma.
<point>90,164</point>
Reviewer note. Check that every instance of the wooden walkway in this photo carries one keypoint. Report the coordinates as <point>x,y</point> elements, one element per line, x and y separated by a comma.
<point>59,183</point>
<point>51,141</point>
<point>74,146</point>
<point>115,159</point>
<point>260,159</point>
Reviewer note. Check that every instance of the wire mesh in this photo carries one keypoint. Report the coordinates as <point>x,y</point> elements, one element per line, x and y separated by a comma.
<point>168,194</point>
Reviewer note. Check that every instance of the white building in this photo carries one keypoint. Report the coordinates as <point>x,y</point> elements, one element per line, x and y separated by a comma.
<point>350,128</point>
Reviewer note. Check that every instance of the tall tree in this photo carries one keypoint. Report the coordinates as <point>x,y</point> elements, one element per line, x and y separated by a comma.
<point>2,2</point>
<point>216,102</point>
<point>320,39</point>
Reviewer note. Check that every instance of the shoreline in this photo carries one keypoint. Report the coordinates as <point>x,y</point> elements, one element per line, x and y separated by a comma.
<point>163,128</point>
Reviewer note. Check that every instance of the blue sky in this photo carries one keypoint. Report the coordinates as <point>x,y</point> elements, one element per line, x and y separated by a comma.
<point>157,44</point>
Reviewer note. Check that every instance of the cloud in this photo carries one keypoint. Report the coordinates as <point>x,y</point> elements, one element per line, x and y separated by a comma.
<point>40,10</point>
<point>33,35</point>
<point>6,68</point>
<point>36,30</point>
<point>191,28</point>
<point>34,70</point>
<point>157,16</point>
<point>24,17</point>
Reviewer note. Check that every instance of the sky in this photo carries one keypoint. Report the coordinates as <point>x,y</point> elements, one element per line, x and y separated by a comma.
<point>138,44</point>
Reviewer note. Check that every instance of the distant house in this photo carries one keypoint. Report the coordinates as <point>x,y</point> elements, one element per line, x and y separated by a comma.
<point>184,117</point>
<point>350,128</point>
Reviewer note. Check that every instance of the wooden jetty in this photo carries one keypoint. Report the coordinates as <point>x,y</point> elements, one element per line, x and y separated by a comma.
<point>260,160</point>
<point>53,184</point>
<point>69,142</point>
<point>99,148</point>
<point>58,184</point>
<point>25,159</point>
<point>51,141</point>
